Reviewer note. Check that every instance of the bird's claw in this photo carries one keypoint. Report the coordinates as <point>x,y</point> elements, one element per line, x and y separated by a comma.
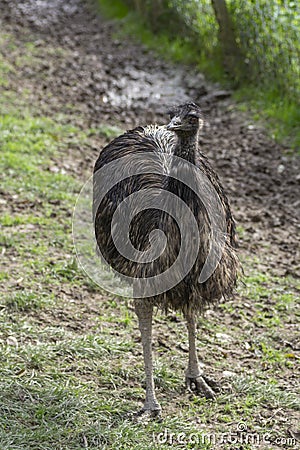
<point>202,385</point>
<point>146,414</point>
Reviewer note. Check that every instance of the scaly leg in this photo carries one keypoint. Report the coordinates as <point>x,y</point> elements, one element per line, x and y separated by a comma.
<point>144,311</point>
<point>195,380</point>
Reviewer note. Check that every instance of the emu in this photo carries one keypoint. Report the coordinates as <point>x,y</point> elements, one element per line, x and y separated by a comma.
<point>178,141</point>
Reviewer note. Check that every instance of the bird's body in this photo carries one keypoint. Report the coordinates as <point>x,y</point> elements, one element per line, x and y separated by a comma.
<point>172,173</point>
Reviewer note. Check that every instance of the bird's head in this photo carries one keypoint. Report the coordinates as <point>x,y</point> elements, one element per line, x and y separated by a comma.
<point>186,118</point>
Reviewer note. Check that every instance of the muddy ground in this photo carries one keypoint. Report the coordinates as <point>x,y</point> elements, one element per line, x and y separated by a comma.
<point>103,78</point>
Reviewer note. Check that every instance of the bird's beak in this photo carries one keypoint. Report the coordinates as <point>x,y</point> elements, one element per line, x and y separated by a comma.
<point>174,124</point>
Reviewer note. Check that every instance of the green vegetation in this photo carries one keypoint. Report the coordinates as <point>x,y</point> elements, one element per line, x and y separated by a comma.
<point>71,369</point>
<point>280,115</point>
<point>268,36</point>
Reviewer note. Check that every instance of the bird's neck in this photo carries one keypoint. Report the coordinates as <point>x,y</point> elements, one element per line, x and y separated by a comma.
<point>187,146</point>
<point>181,174</point>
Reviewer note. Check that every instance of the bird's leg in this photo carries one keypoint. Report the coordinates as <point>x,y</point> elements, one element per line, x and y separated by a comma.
<point>144,311</point>
<point>195,380</point>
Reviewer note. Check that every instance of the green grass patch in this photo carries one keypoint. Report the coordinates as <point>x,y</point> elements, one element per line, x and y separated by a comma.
<point>27,300</point>
<point>28,146</point>
<point>107,131</point>
<point>280,115</point>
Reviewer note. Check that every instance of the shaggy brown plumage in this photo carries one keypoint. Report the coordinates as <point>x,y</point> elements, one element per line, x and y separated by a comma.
<point>179,138</point>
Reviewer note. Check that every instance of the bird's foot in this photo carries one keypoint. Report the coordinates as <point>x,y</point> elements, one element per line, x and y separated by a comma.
<point>149,411</point>
<point>202,385</point>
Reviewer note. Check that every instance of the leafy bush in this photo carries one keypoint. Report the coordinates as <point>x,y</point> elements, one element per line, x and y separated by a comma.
<point>268,32</point>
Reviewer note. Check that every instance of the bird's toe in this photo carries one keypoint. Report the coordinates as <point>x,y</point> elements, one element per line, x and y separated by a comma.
<point>145,414</point>
<point>202,385</point>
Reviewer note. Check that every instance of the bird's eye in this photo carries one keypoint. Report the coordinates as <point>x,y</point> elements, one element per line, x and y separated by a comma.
<point>193,118</point>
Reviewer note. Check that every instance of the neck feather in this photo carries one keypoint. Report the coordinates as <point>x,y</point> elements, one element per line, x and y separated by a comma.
<point>186,146</point>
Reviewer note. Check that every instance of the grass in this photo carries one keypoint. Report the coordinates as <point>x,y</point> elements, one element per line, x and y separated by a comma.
<point>279,114</point>
<point>71,370</point>
<point>28,301</point>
